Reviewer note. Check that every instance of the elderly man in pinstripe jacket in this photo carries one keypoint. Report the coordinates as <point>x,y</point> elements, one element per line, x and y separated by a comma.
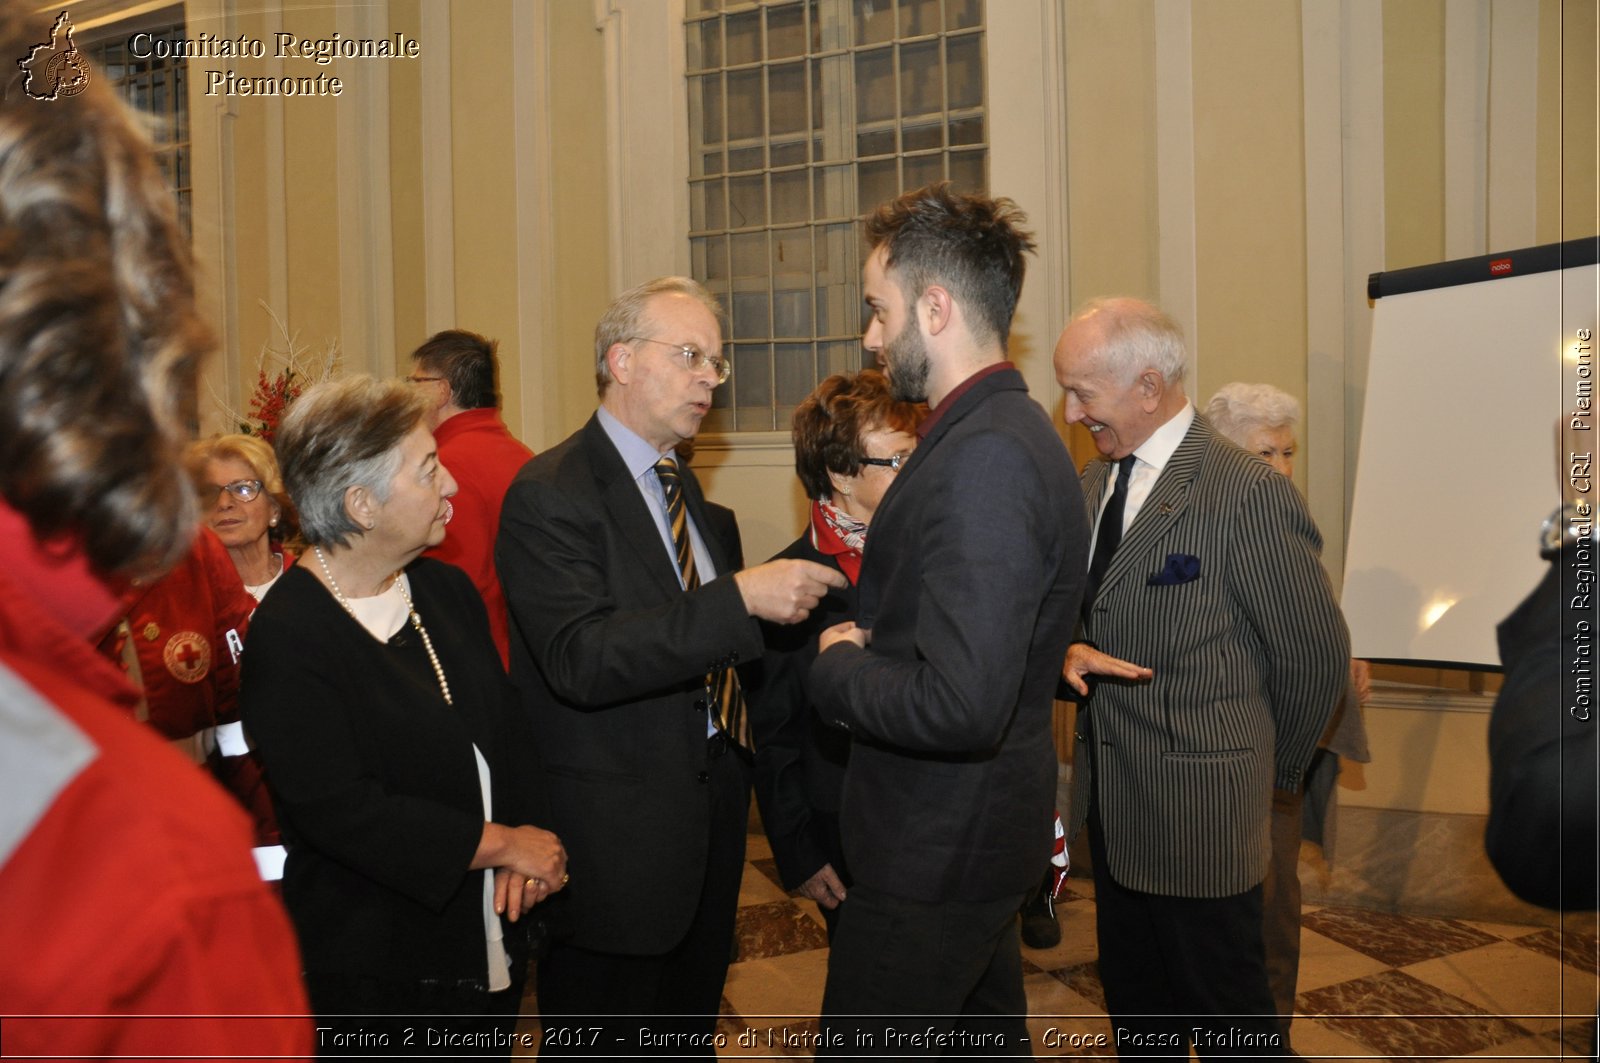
<point>1218,653</point>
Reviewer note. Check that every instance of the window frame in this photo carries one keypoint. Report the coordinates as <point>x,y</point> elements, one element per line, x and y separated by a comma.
<point>647,142</point>
<point>782,356</point>
<point>172,131</point>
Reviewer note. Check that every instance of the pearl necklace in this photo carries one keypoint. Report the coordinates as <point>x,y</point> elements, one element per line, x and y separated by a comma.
<point>416,620</point>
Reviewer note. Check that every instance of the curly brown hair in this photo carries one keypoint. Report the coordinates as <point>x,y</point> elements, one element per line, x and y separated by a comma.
<point>100,341</point>
<point>829,424</point>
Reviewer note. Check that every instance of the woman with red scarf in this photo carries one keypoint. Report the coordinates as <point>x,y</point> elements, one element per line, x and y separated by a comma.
<point>850,439</point>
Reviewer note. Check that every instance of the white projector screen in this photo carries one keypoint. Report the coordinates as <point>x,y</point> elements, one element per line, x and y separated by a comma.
<point>1470,392</point>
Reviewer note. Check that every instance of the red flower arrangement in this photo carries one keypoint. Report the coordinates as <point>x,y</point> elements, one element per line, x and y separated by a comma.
<point>275,392</point>
<point>269,402</point>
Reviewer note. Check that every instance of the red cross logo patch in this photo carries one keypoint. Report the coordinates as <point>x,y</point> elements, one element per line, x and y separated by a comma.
<point>188,656</point>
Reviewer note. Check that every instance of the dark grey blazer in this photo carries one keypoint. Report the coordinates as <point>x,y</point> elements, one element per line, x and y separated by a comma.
<point>609,655</point>
<point>1250,658</point>
<point>970,585</point>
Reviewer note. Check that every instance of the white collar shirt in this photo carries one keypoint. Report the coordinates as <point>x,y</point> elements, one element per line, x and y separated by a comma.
<point>1151,458</point>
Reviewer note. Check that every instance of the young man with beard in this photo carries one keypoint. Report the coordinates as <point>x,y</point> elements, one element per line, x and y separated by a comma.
<point>968,598</point>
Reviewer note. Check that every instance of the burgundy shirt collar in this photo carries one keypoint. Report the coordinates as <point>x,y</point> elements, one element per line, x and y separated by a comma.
<point>955,394</point>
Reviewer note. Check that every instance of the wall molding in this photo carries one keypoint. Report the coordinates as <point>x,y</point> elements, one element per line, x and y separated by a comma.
<point>275,179</point>
<point>366,225</point>
<point>1175,171</point>
<point>1513,127</point>
<point>647,138</point>
<point>1362,174</point>
<point>1466,128</point>
<point>1326,293</point>
<point>438,179</point>
<point>1025,93</point>
<point>1417,698</point>
<point>536,336</point>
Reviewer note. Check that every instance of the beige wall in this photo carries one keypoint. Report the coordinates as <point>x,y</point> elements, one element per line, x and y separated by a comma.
<point>483,179</point>
<point>1576,123</point>
<point>1413,132</point>
<point>581,226</point>
<point>1111,148</point>
<point>1113,246</point>
<point>1249,196</point>
<point>407,204</point>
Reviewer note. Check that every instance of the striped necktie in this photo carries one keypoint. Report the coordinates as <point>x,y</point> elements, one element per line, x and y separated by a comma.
<point>722,686</point>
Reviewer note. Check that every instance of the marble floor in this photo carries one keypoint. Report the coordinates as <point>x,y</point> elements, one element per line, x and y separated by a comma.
<point>1373,985</point>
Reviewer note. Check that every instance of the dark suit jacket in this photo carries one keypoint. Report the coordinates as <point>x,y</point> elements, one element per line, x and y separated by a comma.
<point>970,585</point>
<point>373,775</point>
<point>1542,832</point>
<point>800,757</point>
<point>1250,659</point>
<point>610,656</point>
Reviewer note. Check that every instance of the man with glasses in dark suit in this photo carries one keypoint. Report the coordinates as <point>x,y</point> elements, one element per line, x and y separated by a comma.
<point>629,616</point>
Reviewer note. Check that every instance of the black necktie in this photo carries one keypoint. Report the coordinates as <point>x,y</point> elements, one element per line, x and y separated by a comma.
<point>1110,534</point>
<point>723,694</point>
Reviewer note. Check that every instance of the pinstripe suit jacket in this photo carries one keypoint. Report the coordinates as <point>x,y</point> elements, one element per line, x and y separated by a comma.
<point>1249,658</point>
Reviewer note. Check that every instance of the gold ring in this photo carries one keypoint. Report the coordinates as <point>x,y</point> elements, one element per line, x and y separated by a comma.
<point>565,879</point>
<point>532,882</point>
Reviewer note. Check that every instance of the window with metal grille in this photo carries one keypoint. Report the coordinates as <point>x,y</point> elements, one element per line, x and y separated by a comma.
<point>804,115</point>
<point>158,87</point>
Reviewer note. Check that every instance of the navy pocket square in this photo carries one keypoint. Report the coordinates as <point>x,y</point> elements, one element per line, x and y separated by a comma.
<point>1180,568</point>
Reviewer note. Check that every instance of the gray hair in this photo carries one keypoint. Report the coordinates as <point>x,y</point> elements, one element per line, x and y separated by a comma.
<point>1136,336</point>
<point>1238,409</point>
<point>624,319</point>
<point>341,434</point>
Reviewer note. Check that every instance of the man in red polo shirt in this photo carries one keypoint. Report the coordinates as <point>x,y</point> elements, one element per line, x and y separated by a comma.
<point>460,371</point>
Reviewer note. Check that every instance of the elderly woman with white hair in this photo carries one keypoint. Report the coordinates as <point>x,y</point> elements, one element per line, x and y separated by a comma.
<point>394,755</point>
<point>1261,419</point>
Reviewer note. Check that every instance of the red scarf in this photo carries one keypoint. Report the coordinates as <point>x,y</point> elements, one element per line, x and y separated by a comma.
<point>840,537</point>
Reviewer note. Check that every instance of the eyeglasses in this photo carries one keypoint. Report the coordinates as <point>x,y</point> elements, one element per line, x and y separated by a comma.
<point>243,490</point>
<point>695,360</point>
<point>892,462</point>
<point>422,379</point>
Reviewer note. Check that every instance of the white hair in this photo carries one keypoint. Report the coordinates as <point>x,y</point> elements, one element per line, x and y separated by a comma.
<point>1135,336</point>
<point>1238,409</point>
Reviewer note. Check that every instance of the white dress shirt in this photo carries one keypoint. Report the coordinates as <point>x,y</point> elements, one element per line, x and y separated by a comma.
<point>1151,457</point>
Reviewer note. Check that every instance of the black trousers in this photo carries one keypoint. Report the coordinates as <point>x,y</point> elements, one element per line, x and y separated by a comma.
<point>1182,970</point>
<point>603,1003</point>
<point>908,978</point>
